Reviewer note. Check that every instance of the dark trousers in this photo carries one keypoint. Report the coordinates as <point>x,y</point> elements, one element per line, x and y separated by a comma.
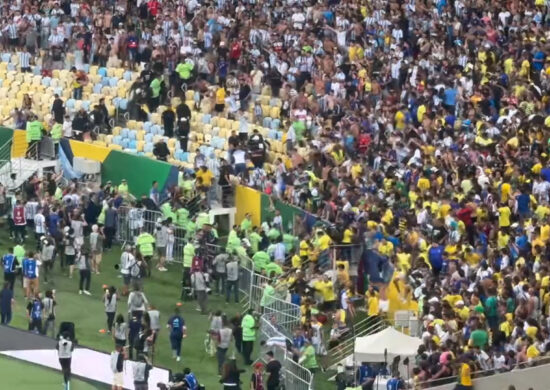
<point>65,368</point>
<point>175,343</point>
<point>232,285</point>
<point>220,356</point>
<point>247,351</point>
<point>5,317</point>
<point>77,93</point>
<point>36,325</point>
<point>109,236</point>
<point>9,277</point>
<point>85,278</point>
<point>220,282</point>
<point>110,320</point>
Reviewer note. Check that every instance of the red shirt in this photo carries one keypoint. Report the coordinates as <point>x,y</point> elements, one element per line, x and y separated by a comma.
<point>19,215</point>
<point>465,215</point>
<point>153,7</point>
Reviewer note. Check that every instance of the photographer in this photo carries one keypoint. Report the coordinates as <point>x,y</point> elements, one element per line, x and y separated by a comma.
<point>65,348</point>
<point>182,381</point>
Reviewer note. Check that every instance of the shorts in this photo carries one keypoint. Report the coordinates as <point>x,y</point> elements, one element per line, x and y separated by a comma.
<point>219,107</point>
<point>127,279</point>
<point>328,306</point>
<point>161,251</point>
<point>120,342</point>
<point>69,259</point>
<point>118,379</point>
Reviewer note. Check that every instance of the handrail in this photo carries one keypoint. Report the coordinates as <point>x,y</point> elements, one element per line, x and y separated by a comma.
<point>542,360</point>
<point>343,350</point>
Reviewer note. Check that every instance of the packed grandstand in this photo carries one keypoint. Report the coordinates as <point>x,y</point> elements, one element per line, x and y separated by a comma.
<point>299,195</point>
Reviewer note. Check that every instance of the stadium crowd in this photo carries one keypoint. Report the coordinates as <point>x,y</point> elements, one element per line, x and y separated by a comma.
<point>416,129</point>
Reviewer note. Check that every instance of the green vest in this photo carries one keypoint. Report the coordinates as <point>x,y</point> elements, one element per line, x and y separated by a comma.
<point>56,132</point>
<point>273,234</point>
<point>145,243</point>
<point>58,195</point>
<point>182,217</point>
<point>249,331</point>
<point>267,296</point>
<point>34,131</point>
<point>101,217</point>
<point>188,254</point>
<point>190,229</point>
<point>202,218</point>
<point>261,259</point>
<point>288,240</point>
<point>246,225</point>
<point>255,240</point>
<point>19,252</point>
<point>310,361</point>
<point>123,189</point>
<point>273,267</point>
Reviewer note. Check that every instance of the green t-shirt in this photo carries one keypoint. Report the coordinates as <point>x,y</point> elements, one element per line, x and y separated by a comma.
<point>289,241</point>
<point>155,87</point>
<point>246,225</point>
<point>479,338</point>
<point>491,307</point>
<point>188,254</point>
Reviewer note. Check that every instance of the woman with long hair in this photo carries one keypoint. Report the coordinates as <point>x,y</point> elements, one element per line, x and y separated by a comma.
<point>110,301</point>
<point>120,330</point>
<point>231,376</point>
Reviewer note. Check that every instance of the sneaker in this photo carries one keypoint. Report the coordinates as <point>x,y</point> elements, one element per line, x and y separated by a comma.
<point>198,309</point>
<point>79,292</point>
<point>87,292</point>
<point>178,359</point>
<point>162,269</point>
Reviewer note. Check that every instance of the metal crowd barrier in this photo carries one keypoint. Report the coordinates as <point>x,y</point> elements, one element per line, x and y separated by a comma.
<point>293,375</point>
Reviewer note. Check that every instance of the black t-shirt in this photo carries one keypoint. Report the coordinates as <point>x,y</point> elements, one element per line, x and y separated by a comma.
<point>273,368</point>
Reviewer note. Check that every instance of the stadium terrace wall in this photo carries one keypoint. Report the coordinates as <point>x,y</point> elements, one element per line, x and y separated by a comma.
<point>139,171</point>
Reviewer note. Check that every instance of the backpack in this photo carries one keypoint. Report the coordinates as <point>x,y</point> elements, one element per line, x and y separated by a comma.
<point>135,270</point>
<point>137,300</point>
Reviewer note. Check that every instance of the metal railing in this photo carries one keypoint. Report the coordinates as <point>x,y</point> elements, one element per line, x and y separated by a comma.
<point>293,375</point>
<point>345,348</point>
<point>543,360</point>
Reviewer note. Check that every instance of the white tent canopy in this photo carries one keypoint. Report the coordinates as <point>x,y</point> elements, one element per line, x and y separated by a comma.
<point>372,348</point>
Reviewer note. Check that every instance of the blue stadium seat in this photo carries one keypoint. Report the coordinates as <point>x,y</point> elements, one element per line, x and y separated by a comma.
<point>127,75</point>
<point>206,119</point>
<point>272,134</point>
<point>97,88</point>
<point>124,132</point>
<point>46,81</point>
<point>102,72</point>
<point>267,122</point>
<point>133,144</point>
<point>275,124</point>
<point>105,81</point>
<point>6,57</point>
<point>117,140</point>
<point>86,105</point>
<point>36,70</point>
<point>132,135</point>
<point>70,104</point>
<point>147,126</point>
<point>148,147</point>
<point>116,102</point>
<point>125,143</point>
<point>123,104</point>
<point>148,137</point>
<point>113,81</point>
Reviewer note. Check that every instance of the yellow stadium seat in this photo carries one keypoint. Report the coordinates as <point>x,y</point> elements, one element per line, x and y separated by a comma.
<point>214,121</point>
<point>101,137</point>
<point>264,100</point>
<point>116,129</point>
<point>149,154</point>
<point>108,139</point>
<point>106,90</point>
<point>139,146</point>
<point>222,122</point>
<point>131,123</point>
<point>161,109</point>
<point>119,72</point>
<point>192,156</point>
<point>93,70</point>
<point>189,94</point>
<point>100,143</point>
<point>207,138</point>
<point>77,105</point>
<point>175,101</point>
<point>155,118</point>
<point>157,138</point>
<point>235,126</point>
<point>200,137</point>
<point>275,112</point>
<point>140,135</point>
<point>37,80</point>
<point>114,146</point>
<point>171,143</point>
<point>111,72</point>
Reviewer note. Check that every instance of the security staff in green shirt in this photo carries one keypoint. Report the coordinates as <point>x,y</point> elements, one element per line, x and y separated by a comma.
<point>123,188</point>
<point>188,254</point>
<point>248,324</point>
<point>34,136</point>
<point>261,259</point>
<point>146,247</point>
<point>154,99</point>
<point>56,133</point>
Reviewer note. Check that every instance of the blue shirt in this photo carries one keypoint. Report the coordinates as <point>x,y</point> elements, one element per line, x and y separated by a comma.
<point>192,381</point>
<point>29,268</point>
<point>450,97</point>
<point>545,173</point>
<point>394,384</point>
<point>53,221</point>
<point>176,324</point>
<point>8,261</point>
<point>435,255</point>
<point>36,309</point>
<point>523,203</point>
<point>6,295</point>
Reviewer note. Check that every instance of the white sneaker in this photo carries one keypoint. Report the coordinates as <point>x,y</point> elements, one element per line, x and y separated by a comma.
<point>79,292</point>
<point>162,269</point>
<point>178,359</point>
<point>87,292</point>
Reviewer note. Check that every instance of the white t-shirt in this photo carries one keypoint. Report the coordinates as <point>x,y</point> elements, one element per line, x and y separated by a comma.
<point>239,156</point>
<point>39,224</point>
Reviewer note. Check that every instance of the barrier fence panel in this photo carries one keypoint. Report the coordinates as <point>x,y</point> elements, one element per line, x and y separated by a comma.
<point>293,375</point>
